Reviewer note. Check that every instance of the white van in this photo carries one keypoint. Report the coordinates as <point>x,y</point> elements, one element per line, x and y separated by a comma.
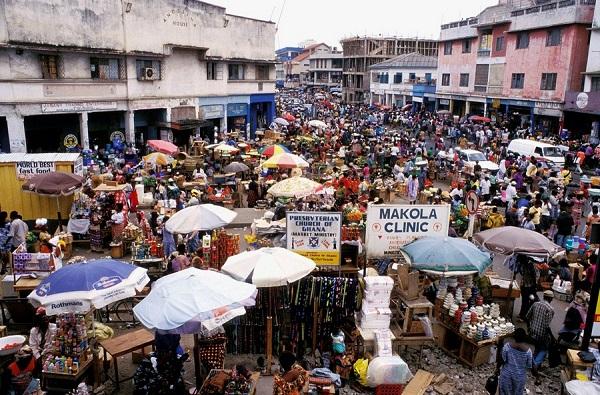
<point>537,149</point>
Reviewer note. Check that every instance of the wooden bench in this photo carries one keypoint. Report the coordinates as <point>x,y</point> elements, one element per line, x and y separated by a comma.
<point>125,344</point>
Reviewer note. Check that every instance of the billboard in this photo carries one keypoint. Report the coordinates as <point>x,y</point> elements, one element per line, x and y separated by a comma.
<point>315,235</point>
<point>390,227</point>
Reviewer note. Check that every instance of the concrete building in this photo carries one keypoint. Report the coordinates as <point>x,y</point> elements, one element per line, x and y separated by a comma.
<point>405,79</point>
<point>515,61</point>
<point>282,55</point>
<point>582,107</point>
<point>296,69</point>
<point>85,72</point>
<point>325,69</point>
<point>360,53</point>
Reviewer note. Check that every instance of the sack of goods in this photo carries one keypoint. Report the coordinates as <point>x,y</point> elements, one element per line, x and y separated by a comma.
<point>383,343</point>
<point>375,312</point>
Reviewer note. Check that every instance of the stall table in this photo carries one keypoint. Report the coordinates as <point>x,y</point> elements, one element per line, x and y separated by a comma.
<point>64,382</point>
<point>125,344</point>
<point>575,363</point>
<point>366,340</point>
<point>24,285</point>
<point>467,351</point>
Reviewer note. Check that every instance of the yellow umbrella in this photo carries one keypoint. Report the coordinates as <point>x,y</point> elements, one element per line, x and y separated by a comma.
<point>158,158</point>
<point>285,161</point>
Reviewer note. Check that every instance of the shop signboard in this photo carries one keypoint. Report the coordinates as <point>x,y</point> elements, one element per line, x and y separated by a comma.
<point>390,227</point>
<point>77,107</point>
<point>315,235</point>
<point>445,102</point>
<point>29,168</point>
<point>212,111</point>
<point>237,109</point>
<point>78,166</point>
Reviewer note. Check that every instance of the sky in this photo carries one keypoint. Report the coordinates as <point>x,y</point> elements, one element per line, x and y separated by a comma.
<point>330,20</point>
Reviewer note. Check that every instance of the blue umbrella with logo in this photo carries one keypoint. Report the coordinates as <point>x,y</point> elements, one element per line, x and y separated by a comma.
<point>445,255</point>
<point>79,287</point>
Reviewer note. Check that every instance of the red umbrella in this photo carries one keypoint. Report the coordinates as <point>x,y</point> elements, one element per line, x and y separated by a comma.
<point>288,117</point>
<point>479,118</point>
<point>163,146</point>
<point>406,107</point>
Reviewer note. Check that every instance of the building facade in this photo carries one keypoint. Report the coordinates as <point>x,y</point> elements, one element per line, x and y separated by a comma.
<point>325,69</point>
<point>405,79</point>
<point>515,61</point>
<point>296,69</point>
<point>360,53</point>
<point>86,72</point>
<point>582,107</point>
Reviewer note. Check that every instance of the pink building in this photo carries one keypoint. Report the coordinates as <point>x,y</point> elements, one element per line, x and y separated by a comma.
<point>515,61</point>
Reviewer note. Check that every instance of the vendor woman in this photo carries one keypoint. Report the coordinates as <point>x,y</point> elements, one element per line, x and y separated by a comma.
<point>118,222</point>
<point>41,335</point>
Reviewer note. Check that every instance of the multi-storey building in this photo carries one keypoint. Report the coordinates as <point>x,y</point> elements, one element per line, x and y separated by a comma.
<point>405,79</point>
<point>87,71</point>
<point>515,61</point>
<point>582,107</point>
<point>284,54</point>
<point>325,69</point>
<point>296,69</point>
<point>360,53</point>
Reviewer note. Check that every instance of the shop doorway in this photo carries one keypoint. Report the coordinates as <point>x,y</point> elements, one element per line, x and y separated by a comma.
<point>4,140</point>
<point>102,124</point>
<point>45,133</point>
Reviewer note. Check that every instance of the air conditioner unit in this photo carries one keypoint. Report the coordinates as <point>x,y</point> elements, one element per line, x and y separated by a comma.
<point>149,73</point>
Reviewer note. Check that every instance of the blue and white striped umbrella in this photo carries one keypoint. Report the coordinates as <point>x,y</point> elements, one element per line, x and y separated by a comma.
<point>79,287</point>
<point>447,254</point>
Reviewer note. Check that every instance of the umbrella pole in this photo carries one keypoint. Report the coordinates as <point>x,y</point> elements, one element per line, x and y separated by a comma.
<point>508,304</point>
<point>59,215</point>
<point>269,344</point>
<point>197,362</point>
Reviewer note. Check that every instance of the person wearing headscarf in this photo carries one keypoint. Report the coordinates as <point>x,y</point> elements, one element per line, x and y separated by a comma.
<point>575,318</point>
<point>41,334</point>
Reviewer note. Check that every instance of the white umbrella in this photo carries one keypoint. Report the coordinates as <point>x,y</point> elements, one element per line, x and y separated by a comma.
<point>315,123</point>
<point>266,268</point>
<point>294,187</point>
<point>200,217</point>
<point>281,121</point>
<point>192,301</point>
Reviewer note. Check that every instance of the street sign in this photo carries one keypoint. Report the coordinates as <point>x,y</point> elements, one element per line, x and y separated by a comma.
<point>472,202</point>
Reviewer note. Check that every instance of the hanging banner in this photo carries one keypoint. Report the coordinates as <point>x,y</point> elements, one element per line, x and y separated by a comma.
<point>315,235</point>
<point>390,227</point>
<point>27,169</point>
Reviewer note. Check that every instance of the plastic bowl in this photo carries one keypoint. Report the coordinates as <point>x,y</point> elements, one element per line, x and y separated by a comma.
<point>18,339</point>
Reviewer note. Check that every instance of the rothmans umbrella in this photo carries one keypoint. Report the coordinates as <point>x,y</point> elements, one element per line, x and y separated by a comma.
<point>281,121</point>
<point>294,187</point>
<point>79,287</point>
<point>192,301</point>
<point>267,268</point>
<point>285,161</point>
<point>236,167</point>
<point>200,217</point>
<point>166,147</point>
<point>508,240</point>
<point>441,255</point>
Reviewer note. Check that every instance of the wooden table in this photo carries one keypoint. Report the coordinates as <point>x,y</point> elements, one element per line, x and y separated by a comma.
<point>125,344</point>
<point>25,285</point>
<point>466,350</point>
<point>575,363</point>
<point>64,382</point>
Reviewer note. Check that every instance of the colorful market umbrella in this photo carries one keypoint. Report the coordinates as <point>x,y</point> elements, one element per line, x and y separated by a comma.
<point>236,167</point>
<point>294,187</point>
<point>315,123</point>
<point>281,121</point>
<point>268,268</point>
<point>200,217</point>
<point>165,147</point>
<point>508,240</point>
<point>285,161</point>
<point>158,158</point>
<point>192,301</point>
<point>288,117</point>
<point>479,118</point>
<point>79,287</point>
<point>271,150</point>
<point>447,255</point>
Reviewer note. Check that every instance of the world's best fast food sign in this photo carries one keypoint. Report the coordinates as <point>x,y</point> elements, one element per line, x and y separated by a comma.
<point>390,227</point>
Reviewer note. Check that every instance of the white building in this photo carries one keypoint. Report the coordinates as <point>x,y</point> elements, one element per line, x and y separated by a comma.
<point>325,69</point>
<point>296,70</point>
<point>405,79</point>
<point>147,69</point>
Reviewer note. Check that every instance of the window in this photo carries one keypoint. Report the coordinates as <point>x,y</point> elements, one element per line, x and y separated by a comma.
<point>398,78</point>
<point>383,78</point>
<point>500,43</point>
<point>464,79</point>
<point>148,69</point>
<point>466,45</point>
<point>517,81</point>
<point>522,40</point>
<point>428,77</point>
<point>214,71</point>
<point>262,72</point>
<point>236,72</point>
<point>412,77</point>
<point>51,67</point>
<point>448,48</point>
<point>107,69</point>
<point>548,82</point>
<point>553,38</point>
<point>445,79</point>
<point>595,84</point>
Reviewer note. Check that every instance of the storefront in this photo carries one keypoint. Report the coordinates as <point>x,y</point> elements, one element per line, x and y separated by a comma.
<point>101,126</point>
<point>45,133</point>
<point>146,124</point>
<point>582,114</point>
<point>237,117</point>
<point>548,116</point>
<point>262,111</point>
<point>4,140</point>
<point>213,115</point>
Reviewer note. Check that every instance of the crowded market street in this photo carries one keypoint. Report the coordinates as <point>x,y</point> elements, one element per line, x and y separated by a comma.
<point>294,221</point>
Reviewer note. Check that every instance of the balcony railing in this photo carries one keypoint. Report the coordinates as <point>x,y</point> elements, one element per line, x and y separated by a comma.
<point>480,88</point>
<point>484,52</point>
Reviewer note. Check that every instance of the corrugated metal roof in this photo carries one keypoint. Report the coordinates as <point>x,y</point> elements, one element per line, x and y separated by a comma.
<point>49,157</point>
<point>413,59</point>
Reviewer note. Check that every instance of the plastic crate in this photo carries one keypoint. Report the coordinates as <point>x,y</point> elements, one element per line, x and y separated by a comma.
<point>389,389</point>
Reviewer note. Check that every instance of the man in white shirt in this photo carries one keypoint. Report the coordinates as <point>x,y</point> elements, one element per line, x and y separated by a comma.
<point>511,192</point>
<point>485,186</point>
<point>18,229</point>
